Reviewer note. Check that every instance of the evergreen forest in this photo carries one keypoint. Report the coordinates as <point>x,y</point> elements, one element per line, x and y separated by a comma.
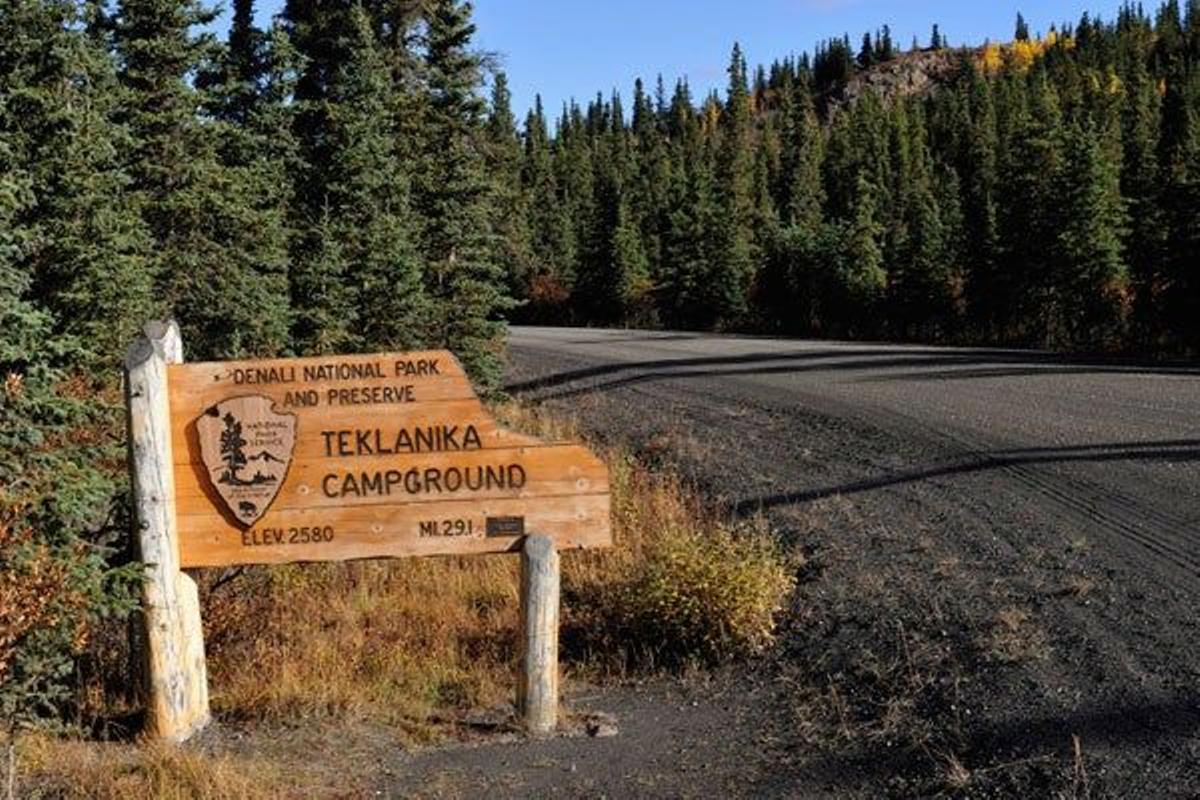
<point>1041,192</point>
<point>355,178</point>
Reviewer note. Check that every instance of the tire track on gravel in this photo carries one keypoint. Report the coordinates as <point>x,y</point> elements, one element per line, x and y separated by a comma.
<point>1070,492</point>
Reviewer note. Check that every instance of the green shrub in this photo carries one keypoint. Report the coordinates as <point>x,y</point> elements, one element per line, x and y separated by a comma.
<point>57,452</point>
<point>712,594</point>
<point>679,586</point>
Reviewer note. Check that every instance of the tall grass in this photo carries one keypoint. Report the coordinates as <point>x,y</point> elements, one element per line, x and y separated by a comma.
<point>394,642</point>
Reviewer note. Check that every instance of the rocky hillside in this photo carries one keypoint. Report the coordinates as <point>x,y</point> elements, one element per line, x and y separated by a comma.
<point>910,74</point>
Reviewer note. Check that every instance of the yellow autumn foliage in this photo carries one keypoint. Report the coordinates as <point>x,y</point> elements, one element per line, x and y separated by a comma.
<point>1115,85</point>
<point>1019,55</point>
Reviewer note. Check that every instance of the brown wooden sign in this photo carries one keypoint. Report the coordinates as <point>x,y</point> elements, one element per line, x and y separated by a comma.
<point>342,457</point>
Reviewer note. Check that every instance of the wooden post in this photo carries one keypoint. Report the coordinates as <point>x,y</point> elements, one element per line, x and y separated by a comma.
<point>174,680</point>
<point>537,683</point>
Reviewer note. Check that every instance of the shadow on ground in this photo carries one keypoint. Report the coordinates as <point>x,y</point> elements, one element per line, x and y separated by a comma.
<point>1175,450</point>
<point>1041,746</point>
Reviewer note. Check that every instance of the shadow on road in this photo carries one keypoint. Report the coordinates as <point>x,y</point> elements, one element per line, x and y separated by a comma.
<point>937,364</point>
<point>1168,450</point>
<point>1030,370</point>
<point>653,337</point>
<point>1147,721</point>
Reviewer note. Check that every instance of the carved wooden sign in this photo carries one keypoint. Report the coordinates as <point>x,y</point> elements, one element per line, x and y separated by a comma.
<point>392,454</point>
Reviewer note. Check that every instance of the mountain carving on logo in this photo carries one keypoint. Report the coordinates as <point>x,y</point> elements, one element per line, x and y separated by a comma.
<point>246,446</point>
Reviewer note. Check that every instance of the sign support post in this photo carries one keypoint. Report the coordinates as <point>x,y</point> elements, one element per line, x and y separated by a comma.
<point>537,681</point>
<point>174,680</point>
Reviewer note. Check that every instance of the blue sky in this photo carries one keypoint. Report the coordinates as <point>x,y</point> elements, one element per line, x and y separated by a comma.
<point>574,48</point>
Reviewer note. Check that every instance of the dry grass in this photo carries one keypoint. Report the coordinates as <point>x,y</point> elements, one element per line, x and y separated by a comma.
<point>1080,788</point>
<point>956,776</point>
<point>1015,637</point>
<point>675,589</point>
<point>51,767</point>
<point>1078,586</point>
<point>391,642</point>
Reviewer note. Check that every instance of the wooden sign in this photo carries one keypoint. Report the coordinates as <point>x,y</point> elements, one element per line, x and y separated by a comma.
<point>343,457</point>
<point>323,459</point>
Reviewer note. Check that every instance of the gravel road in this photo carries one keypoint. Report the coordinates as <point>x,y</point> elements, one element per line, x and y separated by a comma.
<point>1107,451</point>
<point>1003,593</point>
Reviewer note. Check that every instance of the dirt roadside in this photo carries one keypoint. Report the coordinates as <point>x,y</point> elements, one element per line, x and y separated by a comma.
<point>965,626</point>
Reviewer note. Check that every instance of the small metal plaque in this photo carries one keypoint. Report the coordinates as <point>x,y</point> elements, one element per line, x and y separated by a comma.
<point>505,526</point>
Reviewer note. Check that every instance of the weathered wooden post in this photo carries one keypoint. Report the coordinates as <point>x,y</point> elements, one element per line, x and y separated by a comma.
<point>537,682</point>
<point>174,680</point>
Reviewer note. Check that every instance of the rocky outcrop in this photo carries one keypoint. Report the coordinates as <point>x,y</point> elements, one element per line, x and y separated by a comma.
<point>916,74</point>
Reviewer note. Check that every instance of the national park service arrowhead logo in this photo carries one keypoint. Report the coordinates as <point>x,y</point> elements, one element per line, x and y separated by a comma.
<point>246,446</point>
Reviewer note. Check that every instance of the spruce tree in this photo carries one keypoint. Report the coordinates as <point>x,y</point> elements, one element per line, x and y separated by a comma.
<point>920,280</point>
<point>631,268</point>
<point>979,169</point>
<point>574,176</point>
<point>597,290</point>
<point>731,273</point>
<point>614,274</point>
<point>553,243</point>
<point>510,203</point>
<point>27,688</point>
<point>1022,32</point>
<point>365,215</point>
<point>653,175</point>
<point>219,245</point>
<point>1029,222</point>
<point>866,53</point>
<point>693,241</point>
<point>1181,199</point>
<point>768,164</point>
<point>695,246</point>
<point>861,273</point>
<point>805,194</point>
<point>950,315</point>
<point>26,327</point>
<point>1141,187</point>
<point>463,282</point>
<point>233,77</point>
<point>53,451</point>
<point>87,252</point>
<point>791,281</point>
<point>1090,276</point>
<point>1191,27</point>
<point>325,296</point>
<point>249,88</point>
<point>886,48</point>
